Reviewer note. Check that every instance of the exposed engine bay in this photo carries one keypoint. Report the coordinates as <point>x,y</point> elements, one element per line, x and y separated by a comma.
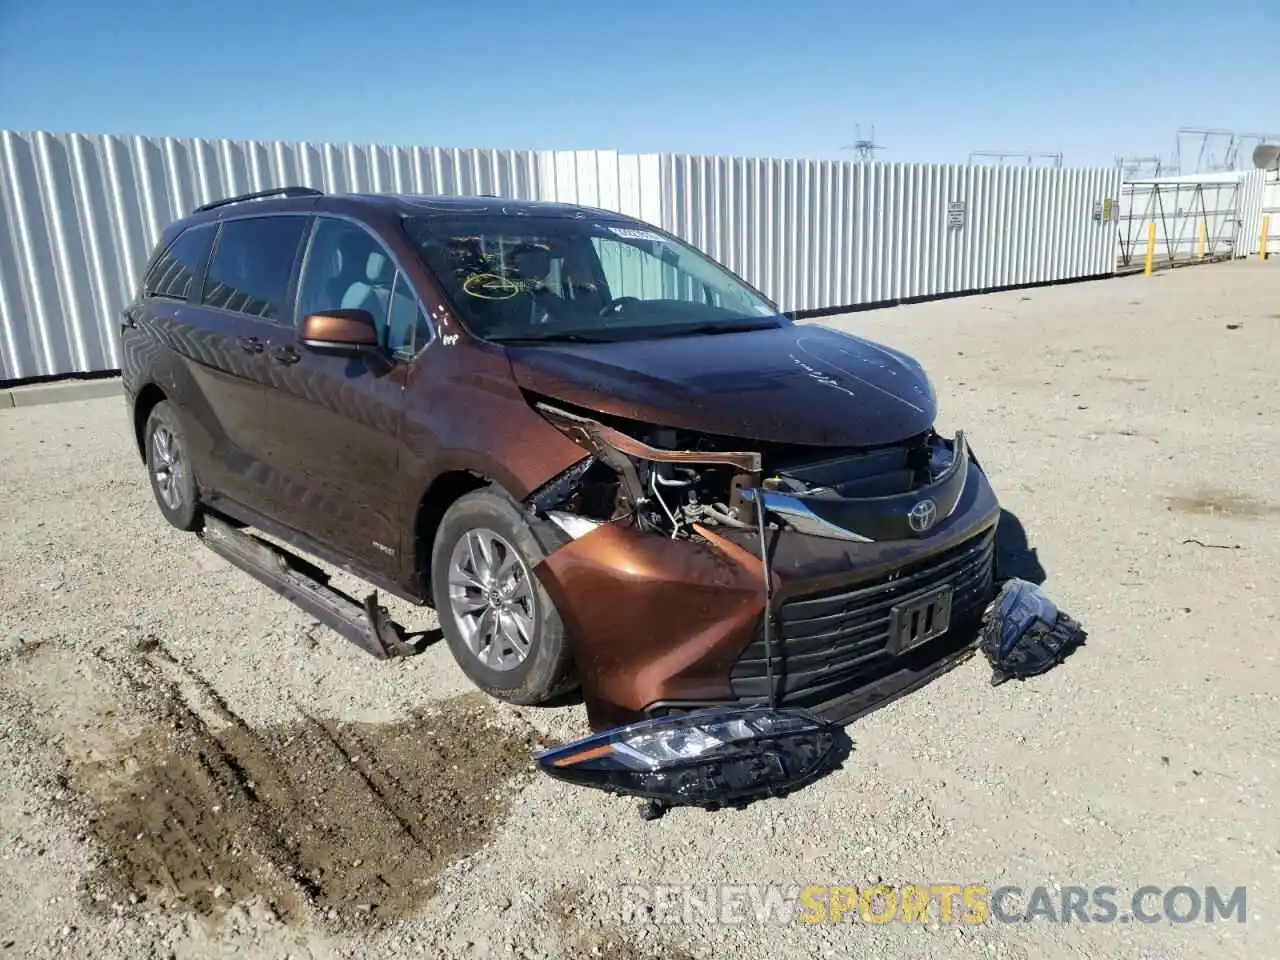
<point>669,481</point>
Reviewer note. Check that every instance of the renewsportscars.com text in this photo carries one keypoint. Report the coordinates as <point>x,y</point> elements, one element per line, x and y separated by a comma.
<point>944,903</point>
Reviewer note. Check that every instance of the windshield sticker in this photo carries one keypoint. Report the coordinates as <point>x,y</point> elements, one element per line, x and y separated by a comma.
<point>630,233</point>
<point>489,286</point>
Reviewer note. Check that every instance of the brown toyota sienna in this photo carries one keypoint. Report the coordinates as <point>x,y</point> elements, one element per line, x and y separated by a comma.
<point>602,457</point>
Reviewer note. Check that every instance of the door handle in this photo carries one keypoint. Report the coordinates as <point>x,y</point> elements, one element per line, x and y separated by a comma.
<point>286,353</point>
<point>250,344</point>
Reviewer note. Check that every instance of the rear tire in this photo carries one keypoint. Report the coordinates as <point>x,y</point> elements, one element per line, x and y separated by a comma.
<point>501,625</point>
<point>169,468</point>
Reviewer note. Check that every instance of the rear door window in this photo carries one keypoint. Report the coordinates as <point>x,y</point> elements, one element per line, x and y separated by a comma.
<point>252,267</point>
<point>175,270</point>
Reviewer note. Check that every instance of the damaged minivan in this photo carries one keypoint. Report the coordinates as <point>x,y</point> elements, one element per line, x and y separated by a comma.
<point>603,458</point>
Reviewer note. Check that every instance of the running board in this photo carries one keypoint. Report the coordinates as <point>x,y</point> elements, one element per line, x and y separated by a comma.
<point>301,582</point>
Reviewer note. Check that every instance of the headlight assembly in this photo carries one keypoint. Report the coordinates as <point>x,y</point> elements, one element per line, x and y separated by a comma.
<point>708,758</point>
<point>1024,633</point>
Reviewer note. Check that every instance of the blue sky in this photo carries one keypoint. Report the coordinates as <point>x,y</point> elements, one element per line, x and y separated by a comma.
<point>780,78</point>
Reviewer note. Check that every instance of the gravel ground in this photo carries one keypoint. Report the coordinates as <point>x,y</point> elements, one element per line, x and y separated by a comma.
<point>190,767</point>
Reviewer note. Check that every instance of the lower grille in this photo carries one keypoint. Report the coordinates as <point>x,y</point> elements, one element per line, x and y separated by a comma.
<point>829,646</point>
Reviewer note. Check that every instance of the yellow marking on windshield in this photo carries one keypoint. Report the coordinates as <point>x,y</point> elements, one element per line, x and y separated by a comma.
<point>490,286</point>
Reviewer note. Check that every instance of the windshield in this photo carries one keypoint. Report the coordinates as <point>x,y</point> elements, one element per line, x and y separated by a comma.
<point>519,279</point>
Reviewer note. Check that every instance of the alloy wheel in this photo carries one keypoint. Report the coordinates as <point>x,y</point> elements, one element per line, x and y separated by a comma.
<point>491,599</point>
<point>168,466</point>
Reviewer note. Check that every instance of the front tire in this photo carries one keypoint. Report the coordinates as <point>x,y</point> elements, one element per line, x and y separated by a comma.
<point>169,469</point>
<point>501,625</point>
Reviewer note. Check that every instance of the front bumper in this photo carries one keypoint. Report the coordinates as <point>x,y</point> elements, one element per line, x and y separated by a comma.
<point>661,625</point>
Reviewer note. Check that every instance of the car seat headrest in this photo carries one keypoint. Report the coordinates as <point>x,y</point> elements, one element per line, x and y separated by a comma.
<point>378,268</point>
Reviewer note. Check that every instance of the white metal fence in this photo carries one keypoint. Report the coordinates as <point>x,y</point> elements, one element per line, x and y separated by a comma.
<point>1195,215</point>
<point>1271,210</point>
<point>81,213</point>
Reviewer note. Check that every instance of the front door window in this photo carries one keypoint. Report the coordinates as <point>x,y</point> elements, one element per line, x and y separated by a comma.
<point>348,268</point>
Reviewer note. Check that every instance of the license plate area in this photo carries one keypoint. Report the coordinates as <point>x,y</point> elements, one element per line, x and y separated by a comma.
<point>919,619</point>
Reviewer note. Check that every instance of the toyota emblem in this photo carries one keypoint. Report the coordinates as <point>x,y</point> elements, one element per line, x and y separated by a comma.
<point>922,515</point>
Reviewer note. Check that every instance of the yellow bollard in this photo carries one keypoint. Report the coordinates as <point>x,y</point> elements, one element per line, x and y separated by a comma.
<point>1264,236</point>
<point>1151,247</point>
<point>1204,232</point>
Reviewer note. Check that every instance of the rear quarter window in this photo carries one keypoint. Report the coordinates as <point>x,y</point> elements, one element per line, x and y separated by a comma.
<point>252,267</point>
<point>177,268</point>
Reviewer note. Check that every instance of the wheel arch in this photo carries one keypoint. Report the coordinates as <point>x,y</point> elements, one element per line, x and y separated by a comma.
<point>148,398</point>
<point>458,473</point>
<point>444,490</point>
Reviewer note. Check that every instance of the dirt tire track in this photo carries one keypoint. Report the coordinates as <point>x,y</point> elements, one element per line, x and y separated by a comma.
<point>209,804</point>
<point>291,781</point>
<point>320,822</point>
<point>388,802</point>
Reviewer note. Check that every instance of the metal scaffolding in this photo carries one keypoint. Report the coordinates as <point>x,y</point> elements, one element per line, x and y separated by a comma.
<point>1215,150</point>
<point>1024,157</point>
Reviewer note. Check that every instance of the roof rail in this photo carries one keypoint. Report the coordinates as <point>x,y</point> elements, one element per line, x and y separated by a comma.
<point>261,194</point>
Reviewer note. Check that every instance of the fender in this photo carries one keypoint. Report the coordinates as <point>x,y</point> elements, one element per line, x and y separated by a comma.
<point>457,416</point>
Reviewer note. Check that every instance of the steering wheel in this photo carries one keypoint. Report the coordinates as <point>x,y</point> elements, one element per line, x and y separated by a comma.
<point>616,304</point>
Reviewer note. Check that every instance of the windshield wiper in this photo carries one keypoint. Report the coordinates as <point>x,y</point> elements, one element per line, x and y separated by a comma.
<point>553,338</point>
<point>713,328</point>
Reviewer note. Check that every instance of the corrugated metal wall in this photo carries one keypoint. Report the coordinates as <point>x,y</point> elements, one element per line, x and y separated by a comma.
<point>815,234</point>
<point>1253,190</point>
<point>81,213</point>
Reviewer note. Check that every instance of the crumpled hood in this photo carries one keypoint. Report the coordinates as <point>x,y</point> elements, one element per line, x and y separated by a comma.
<point>801,384</point>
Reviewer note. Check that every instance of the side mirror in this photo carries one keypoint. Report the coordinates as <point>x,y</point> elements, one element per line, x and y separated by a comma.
<point>350,332</point>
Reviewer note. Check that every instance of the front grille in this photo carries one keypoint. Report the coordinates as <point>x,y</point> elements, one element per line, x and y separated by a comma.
<point>830,645</point>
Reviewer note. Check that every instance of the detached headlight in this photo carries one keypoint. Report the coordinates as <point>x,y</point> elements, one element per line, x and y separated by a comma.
<point>1024,633</point>
<point>709,757</point>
